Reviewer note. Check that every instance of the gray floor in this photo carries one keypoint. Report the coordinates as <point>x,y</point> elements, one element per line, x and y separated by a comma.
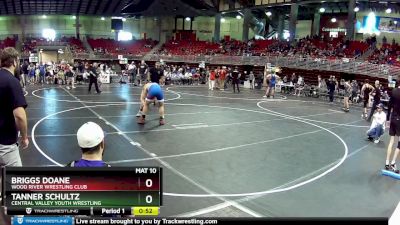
<point>226,154</point>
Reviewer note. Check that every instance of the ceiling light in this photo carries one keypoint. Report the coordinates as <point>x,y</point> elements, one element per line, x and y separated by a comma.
<point>333,20</point>
<point>223,20</point>
<point>268,13</point>
<point>124,19</point>
<point>322,10</point>
<point>187,19</point>
<point>356,9</point>
<point>44,16</point>
<point>395,22</point>
<point>388,10</point>
<point>102,18</point>
<point>238,17</point>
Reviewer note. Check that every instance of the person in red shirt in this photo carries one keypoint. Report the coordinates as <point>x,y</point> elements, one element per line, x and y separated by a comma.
<point>211,83</point>
<point>222,76</point>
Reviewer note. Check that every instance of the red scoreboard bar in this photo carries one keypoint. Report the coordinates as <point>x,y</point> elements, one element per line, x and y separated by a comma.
<point>82,191</point>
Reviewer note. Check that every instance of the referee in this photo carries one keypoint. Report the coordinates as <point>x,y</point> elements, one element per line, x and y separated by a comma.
<point>394,129</point>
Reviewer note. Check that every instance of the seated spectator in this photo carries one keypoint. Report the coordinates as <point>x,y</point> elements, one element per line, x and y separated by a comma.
<point>378,125</point>
<point>91,141</point>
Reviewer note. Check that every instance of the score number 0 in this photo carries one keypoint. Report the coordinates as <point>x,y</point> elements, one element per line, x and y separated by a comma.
<point>149,183</point>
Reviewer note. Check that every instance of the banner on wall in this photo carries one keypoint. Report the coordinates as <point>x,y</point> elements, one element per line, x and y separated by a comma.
<point>377,24</point>
<point>105,78</point>
<point>33,59</point>
<point>388,24</point>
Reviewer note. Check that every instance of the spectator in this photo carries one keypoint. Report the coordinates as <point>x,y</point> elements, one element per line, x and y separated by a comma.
<point>222,78</point>
<point>12,111</point>
<point>91,141</point>
<point>235,79</point>
<point>142,73</point>
<point>132,72</point>
<point>377,99</point>
<point>93,75</point>
<point>211,81</point>
<point>354,91</point>
<point>25,72</point>
<point>365,92</point>
<point>331,86</point>
<point>252,80</point>
<point>378,125</point>
<point>42,72</point>
<point>156,74</point>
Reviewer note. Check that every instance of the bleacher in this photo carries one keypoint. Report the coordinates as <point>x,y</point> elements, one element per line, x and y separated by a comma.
<point>387,54</point>
<point>190,47</point>
<point>113,47</point>
<point>8,42</point>
<point>76,45</point>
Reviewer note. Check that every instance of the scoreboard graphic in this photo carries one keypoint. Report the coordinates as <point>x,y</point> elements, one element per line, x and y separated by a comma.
<point>82,191</point>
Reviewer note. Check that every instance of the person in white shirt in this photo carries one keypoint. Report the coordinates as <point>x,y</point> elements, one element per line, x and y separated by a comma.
<point>132,72</point>
<point>252,80</point>
<point>378,125</point>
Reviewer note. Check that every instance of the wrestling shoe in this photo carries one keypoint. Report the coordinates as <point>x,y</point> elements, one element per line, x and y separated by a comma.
<point>393,168</point>
<point>162,121</point>
<point>141,120</point>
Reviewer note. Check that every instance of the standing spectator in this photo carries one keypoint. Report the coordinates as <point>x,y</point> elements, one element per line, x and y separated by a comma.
<point>354,91</point>
<point>331,85</point>
<point>365,92</point>
<point>235,79</point>
<point>319,82</point>
<point>132,72</point>
<point>12,111</point>
<point>217,77</point>
<point>25,72</point>
<point>142,73</point>
<point>222,77</point>
<point>156,74</point>
<point>211,81</point>
<point>32,70</point>
<point>376,100</point>
<point>42,72</point>
<point>91,141</point>
<point>93,75</point>
<point>251,80</point>
<point>347,95</point>
<point>69,74</point>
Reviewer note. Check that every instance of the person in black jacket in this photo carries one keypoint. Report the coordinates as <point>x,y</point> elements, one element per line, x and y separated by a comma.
<point>93,78</point>
<point>377,99</point>
<point>235,79</point>
<point>331,85</point>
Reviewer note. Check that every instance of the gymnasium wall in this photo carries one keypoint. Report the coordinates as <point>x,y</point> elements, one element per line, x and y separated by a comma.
<point>155,28</point>
<point>49,56</point>
<point>90,25</point>
<point>303,28</point>
<point>233,27</point>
